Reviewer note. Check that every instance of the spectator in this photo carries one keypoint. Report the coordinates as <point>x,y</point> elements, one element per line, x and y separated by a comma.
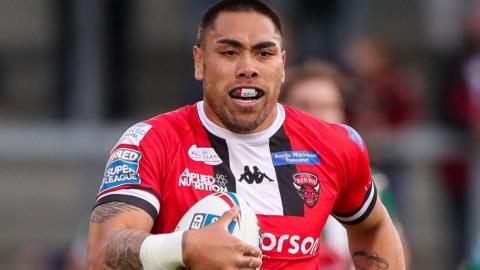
<point>460,107</point>
<point>384,97</point>
<point>464,94</point>
<point>319,88</point>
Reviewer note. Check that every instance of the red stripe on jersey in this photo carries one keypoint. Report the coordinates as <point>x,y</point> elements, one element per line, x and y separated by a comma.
<point>230,203</point>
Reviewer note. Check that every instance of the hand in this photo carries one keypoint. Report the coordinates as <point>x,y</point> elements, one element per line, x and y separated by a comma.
<point>213,247</point>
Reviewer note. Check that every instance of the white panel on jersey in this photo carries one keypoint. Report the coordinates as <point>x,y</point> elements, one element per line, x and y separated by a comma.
<point>255,176</point>
<point>247,152</point>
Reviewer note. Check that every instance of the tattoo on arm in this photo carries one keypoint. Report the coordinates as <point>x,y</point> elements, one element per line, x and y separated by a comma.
<point>363,260</point>
<point>107,211</point>
<point>123,250</point>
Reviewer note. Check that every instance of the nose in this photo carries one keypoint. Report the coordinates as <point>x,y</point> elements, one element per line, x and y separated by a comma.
<point>246,68</point>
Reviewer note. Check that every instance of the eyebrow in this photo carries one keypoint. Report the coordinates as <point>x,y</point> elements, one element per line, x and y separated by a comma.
<point>237,44</point>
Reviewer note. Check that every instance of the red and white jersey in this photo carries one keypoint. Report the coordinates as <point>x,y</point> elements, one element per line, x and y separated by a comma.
<point>293,175</point>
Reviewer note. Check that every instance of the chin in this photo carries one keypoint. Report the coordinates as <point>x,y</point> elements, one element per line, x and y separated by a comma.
<point>242,128</point>
<point>246,125</point>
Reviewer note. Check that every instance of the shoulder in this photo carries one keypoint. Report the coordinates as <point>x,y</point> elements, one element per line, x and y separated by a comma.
<point>180,119</point>
<point>333,134</point>
<point>349,135</point>
<point>298,119</point>
<point>169,125</point>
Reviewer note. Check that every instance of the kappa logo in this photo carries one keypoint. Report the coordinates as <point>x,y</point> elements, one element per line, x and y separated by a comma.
<point>257,176</point>
<point>308,187</point>
<point>204,154</point>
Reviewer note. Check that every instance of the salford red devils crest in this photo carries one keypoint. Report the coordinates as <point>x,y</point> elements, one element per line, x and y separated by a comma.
<point>308,187</point>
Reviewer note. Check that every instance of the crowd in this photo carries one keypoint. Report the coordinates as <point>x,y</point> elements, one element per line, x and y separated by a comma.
<point>365,81</point>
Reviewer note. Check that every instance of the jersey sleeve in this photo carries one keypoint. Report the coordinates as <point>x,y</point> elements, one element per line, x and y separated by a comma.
<point>132,171</point>
<point>359,195</point>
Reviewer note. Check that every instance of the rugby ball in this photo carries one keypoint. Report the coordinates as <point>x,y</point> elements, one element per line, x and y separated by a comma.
<point>209,209</point>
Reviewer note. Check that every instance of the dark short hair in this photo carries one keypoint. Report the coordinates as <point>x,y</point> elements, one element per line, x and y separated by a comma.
<point>314,69</point>
<point>211,14</point>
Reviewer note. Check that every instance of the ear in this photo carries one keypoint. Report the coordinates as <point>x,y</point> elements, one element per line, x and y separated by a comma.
<point>198,62</point>
<point>284,58</point>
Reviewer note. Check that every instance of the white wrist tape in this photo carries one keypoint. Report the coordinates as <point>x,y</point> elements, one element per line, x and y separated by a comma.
<point>162,251</point>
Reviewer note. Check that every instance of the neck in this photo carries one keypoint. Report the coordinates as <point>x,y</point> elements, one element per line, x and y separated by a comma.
<point>214,118</point>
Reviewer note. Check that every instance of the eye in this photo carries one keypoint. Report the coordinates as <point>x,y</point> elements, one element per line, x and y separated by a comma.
<point>229,53</point>
<point>265,53</point>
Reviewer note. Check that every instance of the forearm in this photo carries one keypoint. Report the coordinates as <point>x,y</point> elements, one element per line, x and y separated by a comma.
<point>123,249</point>
<point>114,244</point>
<point>377,247</point>
<point>120,250</point>
<point>119,238</point>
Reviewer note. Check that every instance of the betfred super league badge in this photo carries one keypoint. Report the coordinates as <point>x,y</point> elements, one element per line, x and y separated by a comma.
<point>122,169</point>
<point>308,187</point>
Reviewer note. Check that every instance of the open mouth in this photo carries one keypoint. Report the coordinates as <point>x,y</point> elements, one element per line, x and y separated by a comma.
<point>246,93</point>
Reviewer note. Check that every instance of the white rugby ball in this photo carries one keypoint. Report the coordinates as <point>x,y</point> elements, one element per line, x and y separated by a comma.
<point>206,211</point>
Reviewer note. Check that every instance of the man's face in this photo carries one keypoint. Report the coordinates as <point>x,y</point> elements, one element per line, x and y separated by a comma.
<point>319,97</point>
<point>241,54</point>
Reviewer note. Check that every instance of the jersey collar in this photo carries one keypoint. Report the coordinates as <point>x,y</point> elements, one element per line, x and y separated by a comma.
<point>252,138</point>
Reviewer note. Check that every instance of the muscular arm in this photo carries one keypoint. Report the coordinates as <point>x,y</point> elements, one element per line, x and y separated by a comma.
<point>374,243</point>
<point>116,232</point>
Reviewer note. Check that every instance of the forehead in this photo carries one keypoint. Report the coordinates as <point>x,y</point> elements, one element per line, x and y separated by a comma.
<point>246,27</point>
<point>316,90</point>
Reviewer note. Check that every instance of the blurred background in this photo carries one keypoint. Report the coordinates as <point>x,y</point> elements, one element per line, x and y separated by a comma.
<point>74,74</point>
